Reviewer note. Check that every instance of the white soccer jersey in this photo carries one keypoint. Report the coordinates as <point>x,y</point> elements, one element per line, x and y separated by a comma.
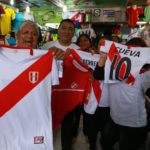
<point>88,58</point>
<point>58,45</point>
<point>91,106</point>
<point>25,99</point>
<point>127,103</point>
<point>123,62</point>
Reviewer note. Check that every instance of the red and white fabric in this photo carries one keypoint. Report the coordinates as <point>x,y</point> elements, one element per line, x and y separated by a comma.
<point>25,98</point>
<point>124,62</point>
<point>133,15</point>
<point>73,88</point>
<point>99,93</point>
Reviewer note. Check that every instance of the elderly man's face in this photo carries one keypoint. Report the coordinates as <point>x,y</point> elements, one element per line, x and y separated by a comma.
<point>27,37</point>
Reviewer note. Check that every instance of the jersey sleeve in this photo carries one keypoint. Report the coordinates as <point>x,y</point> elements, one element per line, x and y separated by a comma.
<point>105,46</point>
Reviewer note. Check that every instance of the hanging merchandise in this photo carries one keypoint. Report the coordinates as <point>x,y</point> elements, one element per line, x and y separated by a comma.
<point>5,20</point>
<point>2,12</point>
<point>133,13</point>
<point>86,28</point>
<point>147,11</point>
<point>19,19</point>
<point>88,16</point>
<point>116,31</point>
<point>50,35</point>
<point>29,16</point>
<point>76,16</point>
<point>11,39</point>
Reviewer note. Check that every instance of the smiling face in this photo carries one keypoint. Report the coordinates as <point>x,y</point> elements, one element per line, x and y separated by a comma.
<point>65,33</point>
<point>28,36</point>
<point>84,43</point>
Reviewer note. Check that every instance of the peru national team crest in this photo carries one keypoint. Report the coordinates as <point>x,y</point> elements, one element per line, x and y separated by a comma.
<point>33,76</point>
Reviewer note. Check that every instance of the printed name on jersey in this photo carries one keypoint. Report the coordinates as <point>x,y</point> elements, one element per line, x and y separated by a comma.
<point>89,62</point>
<point>38,139</point>
<point>33,76</point>
<point>129,52</point>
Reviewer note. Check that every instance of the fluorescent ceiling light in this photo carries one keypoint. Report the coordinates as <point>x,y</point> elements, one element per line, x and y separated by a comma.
<point>11,2</point>
<point>64,8</point>
<point>27,9</point>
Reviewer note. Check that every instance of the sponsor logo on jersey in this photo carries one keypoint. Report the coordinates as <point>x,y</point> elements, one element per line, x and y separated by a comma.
<point>38,139</point>
<point>33,76</point>
<point>74,85</point>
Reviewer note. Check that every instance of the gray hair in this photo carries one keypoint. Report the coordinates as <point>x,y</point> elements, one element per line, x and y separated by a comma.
<point>28,22</point>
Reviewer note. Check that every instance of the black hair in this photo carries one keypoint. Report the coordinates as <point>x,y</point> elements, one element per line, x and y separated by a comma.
<point>85,35</point>
<point>137,41</point>
<point>67,20</point>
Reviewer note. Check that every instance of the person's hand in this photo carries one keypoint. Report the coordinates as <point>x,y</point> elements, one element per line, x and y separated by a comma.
<point>103,57</point>
<point>93,50</point>
<point>59,54</point>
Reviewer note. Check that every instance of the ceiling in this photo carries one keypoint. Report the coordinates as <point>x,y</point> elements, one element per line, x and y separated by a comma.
<point>72,3</point>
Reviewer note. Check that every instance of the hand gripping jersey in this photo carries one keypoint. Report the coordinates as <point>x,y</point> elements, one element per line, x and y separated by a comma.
<point>73,87</point>
<point>25,96</point>
<point>124,63</point>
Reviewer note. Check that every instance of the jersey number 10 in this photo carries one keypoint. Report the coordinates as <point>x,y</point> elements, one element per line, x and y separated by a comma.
<point>123,68</point>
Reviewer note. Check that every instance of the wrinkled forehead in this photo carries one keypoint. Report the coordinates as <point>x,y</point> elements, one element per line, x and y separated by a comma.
<point>29,27</point>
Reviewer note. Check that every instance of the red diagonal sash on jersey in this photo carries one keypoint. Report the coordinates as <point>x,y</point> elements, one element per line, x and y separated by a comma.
<point>23,84</point>
<point>88,86</point>
<point>95,84</point>
<point>97,90</point>
<point>113,51</point>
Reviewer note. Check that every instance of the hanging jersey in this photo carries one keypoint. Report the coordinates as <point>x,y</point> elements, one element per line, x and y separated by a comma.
<point>147,14</point>
<point>122,61</point>
<point>88,31</point>
<point>28,16</point>
<point>25,97</point>
<point>133,15</point>
<point>19,19</point>
<point>2,12</point>
<point>5,21</point>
